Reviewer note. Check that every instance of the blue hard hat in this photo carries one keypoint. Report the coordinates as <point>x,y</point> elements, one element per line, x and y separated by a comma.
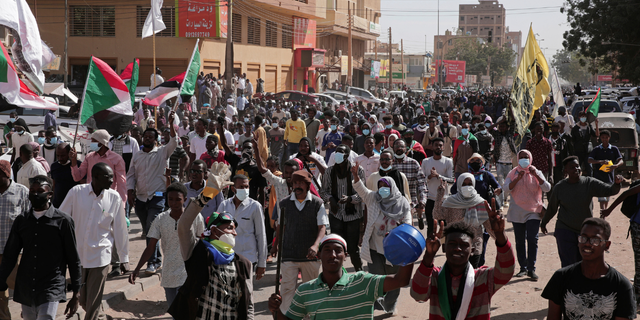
<point>403,245</point>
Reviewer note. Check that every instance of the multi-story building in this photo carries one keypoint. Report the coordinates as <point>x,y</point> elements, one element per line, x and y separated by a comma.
<point>333,36</point>
<point>483,19</point>
<point>514,39</point>
<point>267,35</point>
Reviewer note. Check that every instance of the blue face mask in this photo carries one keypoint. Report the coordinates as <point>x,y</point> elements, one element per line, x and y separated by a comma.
<point>384,192</point>
<point>21,132</point>
<point>465,132</point>
<point>41,140</point>
<point>334,127</point>
<point>524,163</point>
<point>94,146</point>
<point>388,126</point>
<point>487,125</point>
<point>387,169</point>
<point>54,140</point>
<point>339,157</point>
<point>366,132</point>
<point>12,120</point>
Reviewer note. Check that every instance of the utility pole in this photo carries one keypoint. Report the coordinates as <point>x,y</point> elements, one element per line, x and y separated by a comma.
<point>376,59</point>
<point>228,64</point>
<point>390,71</point>
<point>66,46</point>
<point>402,59</point>
<point>350,71</point>
<point>438,65</point>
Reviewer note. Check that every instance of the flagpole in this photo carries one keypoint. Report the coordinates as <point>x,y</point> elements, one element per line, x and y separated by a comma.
<point>84,93</point>
<point>187,73</point>
<point>153,28</point>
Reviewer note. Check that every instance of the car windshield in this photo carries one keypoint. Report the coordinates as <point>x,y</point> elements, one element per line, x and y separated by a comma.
<point>623,138</point>
<point>605,106</point>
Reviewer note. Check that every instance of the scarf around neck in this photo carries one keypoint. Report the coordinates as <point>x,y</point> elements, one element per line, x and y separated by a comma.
<point>459,308</point>
<point>221,252</point>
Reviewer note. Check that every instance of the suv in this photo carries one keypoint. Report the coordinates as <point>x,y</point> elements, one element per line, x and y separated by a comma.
<point>363,95</point>
<point>296,96</point>
<point>606,106</point>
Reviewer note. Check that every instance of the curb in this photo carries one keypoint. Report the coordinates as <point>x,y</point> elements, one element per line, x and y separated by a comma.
<point>123,293</point>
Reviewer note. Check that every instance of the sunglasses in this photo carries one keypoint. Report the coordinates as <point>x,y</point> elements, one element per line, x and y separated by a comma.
<point>196,171</point>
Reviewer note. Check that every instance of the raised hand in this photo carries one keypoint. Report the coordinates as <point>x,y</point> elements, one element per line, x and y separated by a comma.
<point>443,185</point>
<point>605,212</point>
<point>497,222</point>
<point>354,173</point>
<point>433,240</point>
<point>619,179</point>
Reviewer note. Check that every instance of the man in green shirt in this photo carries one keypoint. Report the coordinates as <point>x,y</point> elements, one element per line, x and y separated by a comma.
<point>353,295</point>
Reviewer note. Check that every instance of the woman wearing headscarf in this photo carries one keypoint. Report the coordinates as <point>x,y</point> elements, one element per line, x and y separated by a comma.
<point>465,205</point>
<point>388,170</point>
<point>375,125</point>
<point>392,139</point>
<point>526,185</point>
<point>387,208</point>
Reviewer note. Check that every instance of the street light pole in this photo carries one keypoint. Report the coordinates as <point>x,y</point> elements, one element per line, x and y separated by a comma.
<point>439,54</point>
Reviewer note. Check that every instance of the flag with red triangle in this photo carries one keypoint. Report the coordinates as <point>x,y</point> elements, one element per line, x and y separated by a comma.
<point>130,77</point>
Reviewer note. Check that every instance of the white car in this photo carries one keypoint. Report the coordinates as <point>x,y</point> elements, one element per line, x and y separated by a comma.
<point>340,96</point>
<point>326,99</point>
<point>364,95</point>
<point>401,94</point>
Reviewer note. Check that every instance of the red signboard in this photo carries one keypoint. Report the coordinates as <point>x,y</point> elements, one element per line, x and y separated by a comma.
<point>605,78</point>
<point>201,19</point>
<point>453,70</point>
<point>304,33</point>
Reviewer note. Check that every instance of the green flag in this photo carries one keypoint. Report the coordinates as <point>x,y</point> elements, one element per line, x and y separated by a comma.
<point>130,77</point>
<point>594,108</point>
<point>189,84</point>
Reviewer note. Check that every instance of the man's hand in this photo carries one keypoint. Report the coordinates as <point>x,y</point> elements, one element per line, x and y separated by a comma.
<point>274,302</point>
<point>345,199</point>
<point>434,173</point>
<point>532,170</point>
<point>605,212</point>
<point>433,240</point>
<point>498,191</point>
<point>497,222</point>
<point>543,229</point>
<point>124,267</point>
<point>354,170</point>
<point>520,174</point>
<point>619,179</point>
<point>73,156</point>
<point>259,273</point>
<point>72,306</point>
<point>131,197</point>
<point>132,277</point>
<point>274,251</point>
<point>333,205</point>
<point>313,252</point>
<point>443,185</point>
<point>172,116</point>
<point>331,145</point>
<point>218,176</point>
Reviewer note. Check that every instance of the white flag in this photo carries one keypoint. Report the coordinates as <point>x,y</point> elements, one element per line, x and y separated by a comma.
<point>30,53</point>
<point>154,23</point>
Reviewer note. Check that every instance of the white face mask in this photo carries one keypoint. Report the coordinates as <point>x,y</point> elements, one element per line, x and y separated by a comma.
<point>399,156</point>
<point>227,237</point>
<point>468,191</point>
<point>242,194</point>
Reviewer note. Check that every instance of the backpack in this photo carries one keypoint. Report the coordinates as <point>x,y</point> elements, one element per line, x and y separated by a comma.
<point>630,204</point>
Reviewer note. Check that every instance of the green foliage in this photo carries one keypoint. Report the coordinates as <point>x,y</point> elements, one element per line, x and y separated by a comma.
<point>477,56</point>
<point>605,31</point>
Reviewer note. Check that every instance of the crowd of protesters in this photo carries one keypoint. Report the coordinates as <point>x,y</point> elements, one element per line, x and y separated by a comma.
<point>211,180</point>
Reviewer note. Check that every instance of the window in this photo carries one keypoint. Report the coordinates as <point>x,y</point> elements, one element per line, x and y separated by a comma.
<point>303,1</point>
<point>449,42</point>
<point>253,34</point>
<point>272,34</point>
<point>287,36</point>
<point>236,25</point>
<point>93,21</point>
<point>168,17</point>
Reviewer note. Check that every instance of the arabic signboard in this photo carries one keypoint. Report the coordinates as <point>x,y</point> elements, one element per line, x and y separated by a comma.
<point>452,70</point>
<point>198,19</point>
<point>605,77</point>
<point>304,33</point>
<point>374,28</point>
<point>328,69</point>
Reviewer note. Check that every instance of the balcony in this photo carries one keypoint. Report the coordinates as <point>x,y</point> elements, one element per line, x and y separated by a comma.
<point>311,9</point>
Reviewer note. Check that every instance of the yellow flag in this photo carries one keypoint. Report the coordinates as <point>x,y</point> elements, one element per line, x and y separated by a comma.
<point>384,65</point>
<point>530,86</point>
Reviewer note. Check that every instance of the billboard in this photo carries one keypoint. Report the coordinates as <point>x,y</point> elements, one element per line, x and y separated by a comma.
<point>198,19</point>
<point>452,70</point>
<point>304,33</point>
<point>605,77</point>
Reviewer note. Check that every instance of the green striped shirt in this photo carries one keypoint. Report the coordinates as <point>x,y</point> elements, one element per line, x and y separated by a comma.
<point>352,297</point>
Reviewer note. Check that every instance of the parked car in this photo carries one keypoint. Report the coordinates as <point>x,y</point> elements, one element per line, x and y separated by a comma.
<point>416,93</point>
<point>363,95</point>
<point>401,94</point>
<point>341,96</point>
<point>624,136</point>
<point>326,99</point>
<point>296,96</point>
<point>606,106</point>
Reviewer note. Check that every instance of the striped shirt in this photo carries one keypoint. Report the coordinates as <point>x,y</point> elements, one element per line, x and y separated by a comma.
<point>417,181</point>
<point>352,297</point>
<point>13,202</point>
<point>424,285</point>
<point>325,193</point>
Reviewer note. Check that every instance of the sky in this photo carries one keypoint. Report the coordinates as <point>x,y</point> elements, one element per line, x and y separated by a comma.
<point>411,20</point>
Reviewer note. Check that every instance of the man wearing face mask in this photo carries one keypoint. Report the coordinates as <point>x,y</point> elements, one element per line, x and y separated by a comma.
<point>415,150</point>
<point>99,217</point>
<point>49,145</point>
<point>146,183</point>
<point>30,166</point>
<point>251,241</point>
<point>18,138</point>
<point>125,146</point>
<point>436,169</point>
<point>388,128</point>
<point>216,286</point>
<point>566,118</point>
<point>463,148</point>
<point>449,133</point>
<point>331,140</point>
<point>40,284</point>
<point>581,134</point>
<point>347,140</point>
<point>411,168</point>
<point>420,128</point>
<point>360,139</point>
<point>101,153</point>
<point>61,174</point>
<point>346,206</point>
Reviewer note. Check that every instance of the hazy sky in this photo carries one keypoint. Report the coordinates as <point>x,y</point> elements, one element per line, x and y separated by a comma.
<point>411,20</point>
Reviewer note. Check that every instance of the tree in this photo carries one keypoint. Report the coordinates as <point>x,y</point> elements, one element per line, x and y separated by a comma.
<point>605,32</point>
<point>477,56</point>
<point>568,66</point>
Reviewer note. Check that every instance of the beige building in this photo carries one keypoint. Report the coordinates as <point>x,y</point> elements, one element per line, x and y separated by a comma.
<point>262,31</point>
<point>483,19</point>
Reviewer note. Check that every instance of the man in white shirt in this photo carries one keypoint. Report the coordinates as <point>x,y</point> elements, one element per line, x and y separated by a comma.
<point>436,168</point>
<point>100,222</point>
<point>18,138</point>
<point>251,241</point>
<point>566,118</point>
<point>369,161</point>
<point>346,140</point>
<point>158,79</point>
<point>249,90</point>
<point>240,104</point>
<point>231,111</point>
<point>30,167</point>
<point>198,139</point>
<point>241,84</point>
<point>146,183</point>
